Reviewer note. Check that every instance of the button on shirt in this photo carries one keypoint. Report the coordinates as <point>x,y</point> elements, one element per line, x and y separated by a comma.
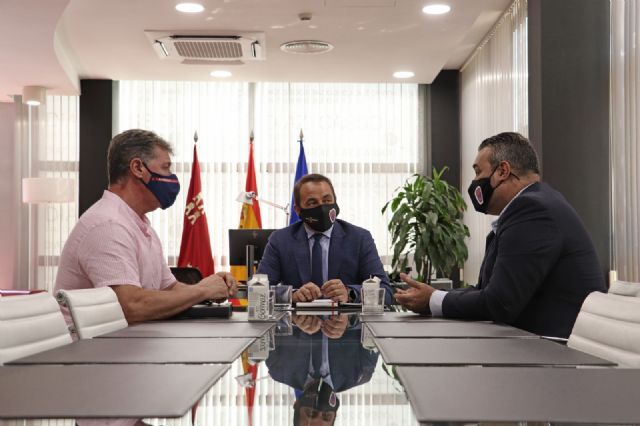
<point>112,245</point>
<point>437,297</point>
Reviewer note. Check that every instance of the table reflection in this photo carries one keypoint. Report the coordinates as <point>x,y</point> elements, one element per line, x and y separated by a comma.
<point>322,357</point>
<point>317,373</point>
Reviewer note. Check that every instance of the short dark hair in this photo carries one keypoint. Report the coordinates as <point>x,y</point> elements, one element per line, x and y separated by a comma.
<point>313,177</point>
<point>130,144</point>
<point>513,148</point>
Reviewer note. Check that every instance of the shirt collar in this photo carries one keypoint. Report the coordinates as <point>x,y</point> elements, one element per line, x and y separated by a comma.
<point>494,224</point>
<point>311,232</point>
<point>142,223</point>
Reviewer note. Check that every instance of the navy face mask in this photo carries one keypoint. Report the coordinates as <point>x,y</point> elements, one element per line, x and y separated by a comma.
<point>320,218</point>
<point>164,188</point>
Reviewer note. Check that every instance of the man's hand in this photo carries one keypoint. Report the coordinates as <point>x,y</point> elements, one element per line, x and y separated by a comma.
<point>310,324</point>
<point>335,290</point>
<point>230,281</point>
<point>307,293</point>
<point>215,288</point>
<point>334,326</point>
<point>416,297</point>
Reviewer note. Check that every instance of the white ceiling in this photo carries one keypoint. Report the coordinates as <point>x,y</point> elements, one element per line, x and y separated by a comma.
<point>106,39</point>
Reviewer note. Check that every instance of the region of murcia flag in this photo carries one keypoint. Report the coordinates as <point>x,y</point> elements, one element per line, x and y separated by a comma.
<point>195,249</point>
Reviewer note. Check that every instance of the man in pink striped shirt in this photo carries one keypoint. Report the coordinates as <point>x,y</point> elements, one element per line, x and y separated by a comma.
<point>114,245</point>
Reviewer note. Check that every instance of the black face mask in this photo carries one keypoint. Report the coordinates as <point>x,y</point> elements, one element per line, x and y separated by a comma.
<point>320,218</point>
<point>319,396</point>
<point>480,191</point>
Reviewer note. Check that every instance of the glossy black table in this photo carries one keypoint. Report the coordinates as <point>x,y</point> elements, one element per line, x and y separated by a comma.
<point>563,395</point>
<point>296,369</point>
<point>143,351</point>
<point>445,329</point>
<point>485,352</point>
<point>113,391</point>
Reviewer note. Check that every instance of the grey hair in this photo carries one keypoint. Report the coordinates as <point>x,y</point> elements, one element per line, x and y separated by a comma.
<point>130,144</point>
<point>513,148</point>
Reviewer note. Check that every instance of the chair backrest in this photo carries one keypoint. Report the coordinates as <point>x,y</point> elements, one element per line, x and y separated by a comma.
<point>625,288</point>
<point>608,326</point>
<point>30,324</point>
<point>186,275</point>
<point>95,311</point>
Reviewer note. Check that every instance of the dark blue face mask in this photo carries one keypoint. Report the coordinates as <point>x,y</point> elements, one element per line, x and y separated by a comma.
<point>164,188</point>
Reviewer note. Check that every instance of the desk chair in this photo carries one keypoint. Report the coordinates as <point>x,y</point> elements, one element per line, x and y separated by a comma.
<point>30,324</point>
<point>625,288</point>
<point>608,326</point>
<point>186,275</point>
<point>95,311</point>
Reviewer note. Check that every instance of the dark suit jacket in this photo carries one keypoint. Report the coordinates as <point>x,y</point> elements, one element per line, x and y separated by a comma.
<point>352,257</point>
<point>349,363</point>
<point>537,270</point>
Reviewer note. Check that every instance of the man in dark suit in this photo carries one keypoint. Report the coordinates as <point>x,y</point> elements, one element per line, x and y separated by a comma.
<point>539,264</point>
<point>321,256</point>
<point>317,366</point>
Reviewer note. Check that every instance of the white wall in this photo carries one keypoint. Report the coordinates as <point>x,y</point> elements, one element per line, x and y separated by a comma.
<point>9,190</point>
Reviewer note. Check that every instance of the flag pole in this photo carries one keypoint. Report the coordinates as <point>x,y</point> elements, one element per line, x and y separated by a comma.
<point>195,137</point>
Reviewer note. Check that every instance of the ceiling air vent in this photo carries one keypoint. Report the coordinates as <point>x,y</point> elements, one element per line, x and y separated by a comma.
<point>208,49</point>
<point>308,47</point>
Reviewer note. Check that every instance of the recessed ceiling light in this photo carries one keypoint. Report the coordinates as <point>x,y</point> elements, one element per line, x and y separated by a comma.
<point>403,74</point>
<point>436,9</point>
<point>189,7</point>
<point>220,73</point>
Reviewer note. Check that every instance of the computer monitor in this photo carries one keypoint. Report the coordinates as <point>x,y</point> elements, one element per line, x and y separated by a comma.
<point>239,239</point>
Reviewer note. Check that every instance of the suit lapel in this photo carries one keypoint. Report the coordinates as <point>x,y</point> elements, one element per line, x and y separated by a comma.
<point>489,259</point>
<point>336,253</point>
<point>302,254</point>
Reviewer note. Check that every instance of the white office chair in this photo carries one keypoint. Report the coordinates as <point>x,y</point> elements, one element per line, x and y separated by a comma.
<point>95,311</point>
<point>625,288</point>
<point>608,326</point>
<point>30,324</point>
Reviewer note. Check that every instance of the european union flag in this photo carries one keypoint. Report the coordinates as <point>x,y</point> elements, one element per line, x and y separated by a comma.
<point>301,170</point>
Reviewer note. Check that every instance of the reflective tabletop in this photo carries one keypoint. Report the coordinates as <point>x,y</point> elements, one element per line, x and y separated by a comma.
<point>319,369</point>
<point>308,370</point>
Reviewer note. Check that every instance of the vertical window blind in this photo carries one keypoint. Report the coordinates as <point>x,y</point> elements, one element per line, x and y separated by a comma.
<point>494,99</point>
<point>362,136</point>
<point>51,150</point>
<point>625,139</point>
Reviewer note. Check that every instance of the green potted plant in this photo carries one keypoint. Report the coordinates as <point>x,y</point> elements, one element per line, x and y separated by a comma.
<point>426,219</point>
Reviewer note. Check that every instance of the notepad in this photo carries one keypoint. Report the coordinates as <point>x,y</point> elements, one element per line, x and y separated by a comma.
<point>318,304</point>
<point>326,307</point>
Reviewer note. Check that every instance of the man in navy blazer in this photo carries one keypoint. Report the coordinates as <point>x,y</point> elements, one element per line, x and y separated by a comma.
<point>539,264</point>
<point>321,256</point>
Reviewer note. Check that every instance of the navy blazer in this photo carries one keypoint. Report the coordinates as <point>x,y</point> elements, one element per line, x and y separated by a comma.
<point>350,364</point>
<point>537,270</point>
<point>353,257</point>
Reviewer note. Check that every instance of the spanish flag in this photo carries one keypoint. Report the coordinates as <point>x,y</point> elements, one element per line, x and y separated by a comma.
<point>250,214</point>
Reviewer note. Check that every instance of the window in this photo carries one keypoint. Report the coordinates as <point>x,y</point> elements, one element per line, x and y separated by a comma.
<point>362,136</point>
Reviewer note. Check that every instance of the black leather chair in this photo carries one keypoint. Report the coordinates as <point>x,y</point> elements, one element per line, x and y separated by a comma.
<point>186,275</point>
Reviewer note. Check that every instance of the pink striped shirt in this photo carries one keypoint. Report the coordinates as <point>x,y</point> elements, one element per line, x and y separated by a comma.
<point>112,245</point>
